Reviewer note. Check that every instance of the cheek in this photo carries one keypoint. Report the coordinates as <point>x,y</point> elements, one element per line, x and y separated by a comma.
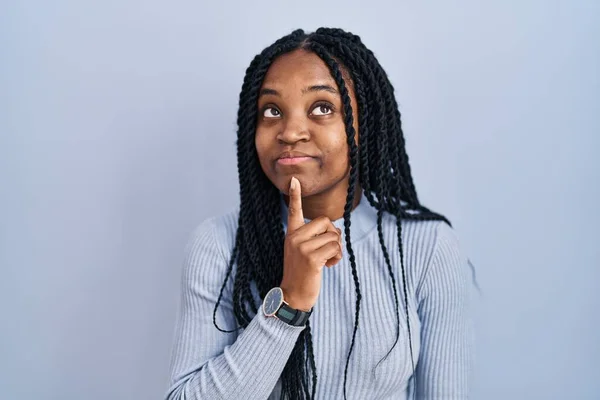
<point>261,146</point>
<point>336,156</point>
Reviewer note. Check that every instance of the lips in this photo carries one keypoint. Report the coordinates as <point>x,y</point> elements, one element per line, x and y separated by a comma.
<point>293,154</point>
<point>293,158</point>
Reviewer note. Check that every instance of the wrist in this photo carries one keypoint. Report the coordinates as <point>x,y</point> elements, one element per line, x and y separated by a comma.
<point>294,302</point>
<point>275,305</point>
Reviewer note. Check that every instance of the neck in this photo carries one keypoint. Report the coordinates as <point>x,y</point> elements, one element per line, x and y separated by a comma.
<point>330,203</point>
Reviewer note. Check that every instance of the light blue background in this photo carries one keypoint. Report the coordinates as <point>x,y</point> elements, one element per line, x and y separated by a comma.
<point>117,132</point>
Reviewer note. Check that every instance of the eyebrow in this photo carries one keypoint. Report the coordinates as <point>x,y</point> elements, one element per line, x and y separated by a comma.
<point>267,91</point>
<point>314,88</point>
<point>319,88</point>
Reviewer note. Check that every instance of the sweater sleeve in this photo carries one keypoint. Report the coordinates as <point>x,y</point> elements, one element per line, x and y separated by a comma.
<point>207,363</point>
<point>444,367</point>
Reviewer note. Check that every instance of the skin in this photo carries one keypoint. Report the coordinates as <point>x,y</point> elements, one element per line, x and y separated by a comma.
<point>292,117</point>
<point>300,110</point>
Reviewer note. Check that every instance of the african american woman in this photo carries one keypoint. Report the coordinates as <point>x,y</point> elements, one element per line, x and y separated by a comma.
<point>331,280</point>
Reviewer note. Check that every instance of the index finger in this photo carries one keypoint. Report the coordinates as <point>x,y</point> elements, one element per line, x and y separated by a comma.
<point>295,214</point>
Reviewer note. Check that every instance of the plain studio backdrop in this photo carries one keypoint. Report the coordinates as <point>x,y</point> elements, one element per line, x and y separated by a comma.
<point>117,138</point>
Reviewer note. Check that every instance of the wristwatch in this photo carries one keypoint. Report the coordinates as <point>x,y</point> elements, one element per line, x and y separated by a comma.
<point>275,306</point>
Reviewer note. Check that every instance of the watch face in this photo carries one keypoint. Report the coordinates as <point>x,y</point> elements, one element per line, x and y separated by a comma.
<point>272,301</point>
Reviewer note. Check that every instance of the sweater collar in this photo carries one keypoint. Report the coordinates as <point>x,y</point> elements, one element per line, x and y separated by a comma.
<point>362,219</point>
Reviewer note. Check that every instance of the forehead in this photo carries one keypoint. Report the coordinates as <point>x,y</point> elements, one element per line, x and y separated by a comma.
<point>297,67</point>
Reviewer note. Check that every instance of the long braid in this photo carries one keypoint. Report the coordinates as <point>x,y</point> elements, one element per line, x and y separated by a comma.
<point>353,155</point>
<point>393,179</point>
<point>379,165</point>
<point>260,255</point>
<point>395,168</point>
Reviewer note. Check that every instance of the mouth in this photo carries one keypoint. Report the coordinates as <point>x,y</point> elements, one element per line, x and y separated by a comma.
<point>293,160</point>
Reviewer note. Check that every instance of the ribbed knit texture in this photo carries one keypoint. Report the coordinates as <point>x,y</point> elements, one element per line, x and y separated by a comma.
<point>208,364</point>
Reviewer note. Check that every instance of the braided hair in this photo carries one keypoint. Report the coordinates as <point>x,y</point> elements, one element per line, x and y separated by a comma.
<point>380,166</point>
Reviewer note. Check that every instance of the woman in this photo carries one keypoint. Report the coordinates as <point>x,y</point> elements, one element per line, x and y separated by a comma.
<point>324,182</point>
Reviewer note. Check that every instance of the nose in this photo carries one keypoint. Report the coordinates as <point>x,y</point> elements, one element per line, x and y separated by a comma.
<point>294,129</point>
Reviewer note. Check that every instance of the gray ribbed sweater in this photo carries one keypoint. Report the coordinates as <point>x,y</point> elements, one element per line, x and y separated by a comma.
<point>208,364</point>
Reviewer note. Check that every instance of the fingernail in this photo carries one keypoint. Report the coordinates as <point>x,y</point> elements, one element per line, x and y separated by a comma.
<point>292,184</point>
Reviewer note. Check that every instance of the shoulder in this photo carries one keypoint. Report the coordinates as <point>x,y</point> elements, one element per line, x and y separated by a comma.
<point>444,268</point>
<point>427,238</point>
<point>427,245</point>
<point>419,238</point>
<point>219,230</point>
<point>211,243</point>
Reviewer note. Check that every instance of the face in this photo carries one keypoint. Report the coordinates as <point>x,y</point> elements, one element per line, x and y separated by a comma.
<point>300,129</point>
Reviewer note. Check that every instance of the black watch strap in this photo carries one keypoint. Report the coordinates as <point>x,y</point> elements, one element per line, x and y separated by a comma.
<point>292,316</point>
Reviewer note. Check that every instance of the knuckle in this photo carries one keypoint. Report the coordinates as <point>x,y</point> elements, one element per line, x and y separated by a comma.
<point>323,219</point>
<point>302,248</point>
<point>335,247</point>
<point>293,239</point>
<point>333,236</point>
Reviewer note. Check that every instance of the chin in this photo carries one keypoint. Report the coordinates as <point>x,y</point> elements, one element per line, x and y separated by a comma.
<point>308,188</point>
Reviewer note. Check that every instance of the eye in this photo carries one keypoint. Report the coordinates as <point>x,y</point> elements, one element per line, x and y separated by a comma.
<point>322,109</point>
<point>271,112</point>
